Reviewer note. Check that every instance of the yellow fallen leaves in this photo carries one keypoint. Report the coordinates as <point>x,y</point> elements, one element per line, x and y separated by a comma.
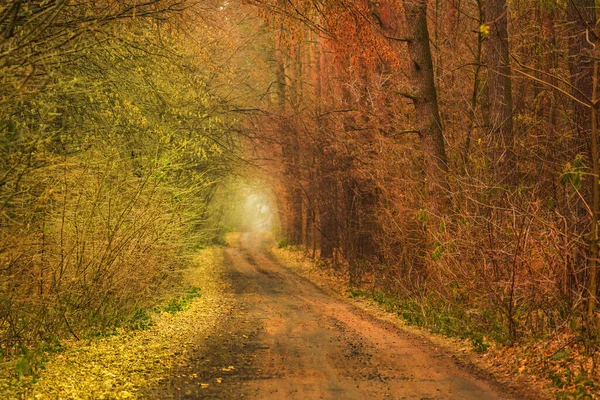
<point>119,367</point>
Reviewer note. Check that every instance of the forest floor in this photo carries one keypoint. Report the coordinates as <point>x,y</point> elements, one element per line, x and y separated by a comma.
<point>260,330</point>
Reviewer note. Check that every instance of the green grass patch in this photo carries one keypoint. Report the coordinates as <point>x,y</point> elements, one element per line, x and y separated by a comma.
<point>31,361</point>
<point>182,303</point>
<point>354,293</point>
<point>578,386</point>
<point>437,315</point>
<point>140,320</point>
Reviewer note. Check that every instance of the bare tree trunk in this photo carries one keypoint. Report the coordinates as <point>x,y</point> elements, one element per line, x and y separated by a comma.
<point>327,213</point>
<point>325,171</point>
<point>593,264</point>
<point>295,170</point>
<point>475,93</point>
<point>500,92</point>
<point>425,101</point>
<point>581,19</point>
<point>424,96</point>
<point>288,90</point>
<point>583,66</point>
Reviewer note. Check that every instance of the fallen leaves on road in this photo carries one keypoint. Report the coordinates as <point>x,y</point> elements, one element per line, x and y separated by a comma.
<point>118,367</point>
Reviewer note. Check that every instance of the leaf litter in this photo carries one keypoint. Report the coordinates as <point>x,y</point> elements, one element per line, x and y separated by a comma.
<point>122,365</point>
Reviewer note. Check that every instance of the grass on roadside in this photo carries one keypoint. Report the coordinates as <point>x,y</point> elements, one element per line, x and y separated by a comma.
<point>429,312</point>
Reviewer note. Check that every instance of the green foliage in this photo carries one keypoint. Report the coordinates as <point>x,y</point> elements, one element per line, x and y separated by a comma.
<point>31,360</point>
<point>560,355</point>
<point>140,320</point>
<point>439,315</point>
<point>478,343</point>
<point>577,385</point>
<point>573,173</point>
<point>422,217</point>
<point>379,297</point>
<point>442,227</point>
<point>355,293</point>
<point>25,366</point>
<point>178,305</point>
<point>438,252</point>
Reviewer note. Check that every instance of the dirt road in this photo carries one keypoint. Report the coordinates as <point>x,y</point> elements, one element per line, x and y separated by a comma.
<point>286,339</point>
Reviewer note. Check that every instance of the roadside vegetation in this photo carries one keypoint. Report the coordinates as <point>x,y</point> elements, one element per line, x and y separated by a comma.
<point>136,356</point>
<point>113,140</point>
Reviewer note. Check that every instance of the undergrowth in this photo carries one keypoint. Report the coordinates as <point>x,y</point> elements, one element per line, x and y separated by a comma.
<point>30,362</point>
<point>434,314</point>
<point>121,362</point>
<point>183,302</point>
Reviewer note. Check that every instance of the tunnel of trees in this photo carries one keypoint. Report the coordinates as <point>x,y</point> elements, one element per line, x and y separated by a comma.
<point>444,154</point>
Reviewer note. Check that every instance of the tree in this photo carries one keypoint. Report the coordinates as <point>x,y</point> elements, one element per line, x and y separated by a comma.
<point>583,66</point>
<point>500,92</point>
<point>424,97</point>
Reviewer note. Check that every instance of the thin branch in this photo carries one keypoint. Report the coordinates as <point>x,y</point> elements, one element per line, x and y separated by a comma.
<point>398,39</point>
<point>407,95</point>
<point>405,132</point>
<point>553,86</point>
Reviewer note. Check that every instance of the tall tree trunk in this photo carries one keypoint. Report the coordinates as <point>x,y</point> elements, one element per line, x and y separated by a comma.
<point>327,210</point>
<point>593,264</point>
<point>475,93</point>
<point>583,66</point>
<point>327,183</point>
<point>581,17</point>
<point>425,101</point>
<point>296,236</point>
<point>548,62</point>
<point>424,96</point>
<point>295,157</point>
<point>288,89</point>
<point>500,92</point>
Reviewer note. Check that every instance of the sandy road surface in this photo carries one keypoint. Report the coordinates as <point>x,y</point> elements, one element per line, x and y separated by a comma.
<point>286,339</point>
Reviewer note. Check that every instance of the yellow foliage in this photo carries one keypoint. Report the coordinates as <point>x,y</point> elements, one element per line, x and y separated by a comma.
<point>484,30</point>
